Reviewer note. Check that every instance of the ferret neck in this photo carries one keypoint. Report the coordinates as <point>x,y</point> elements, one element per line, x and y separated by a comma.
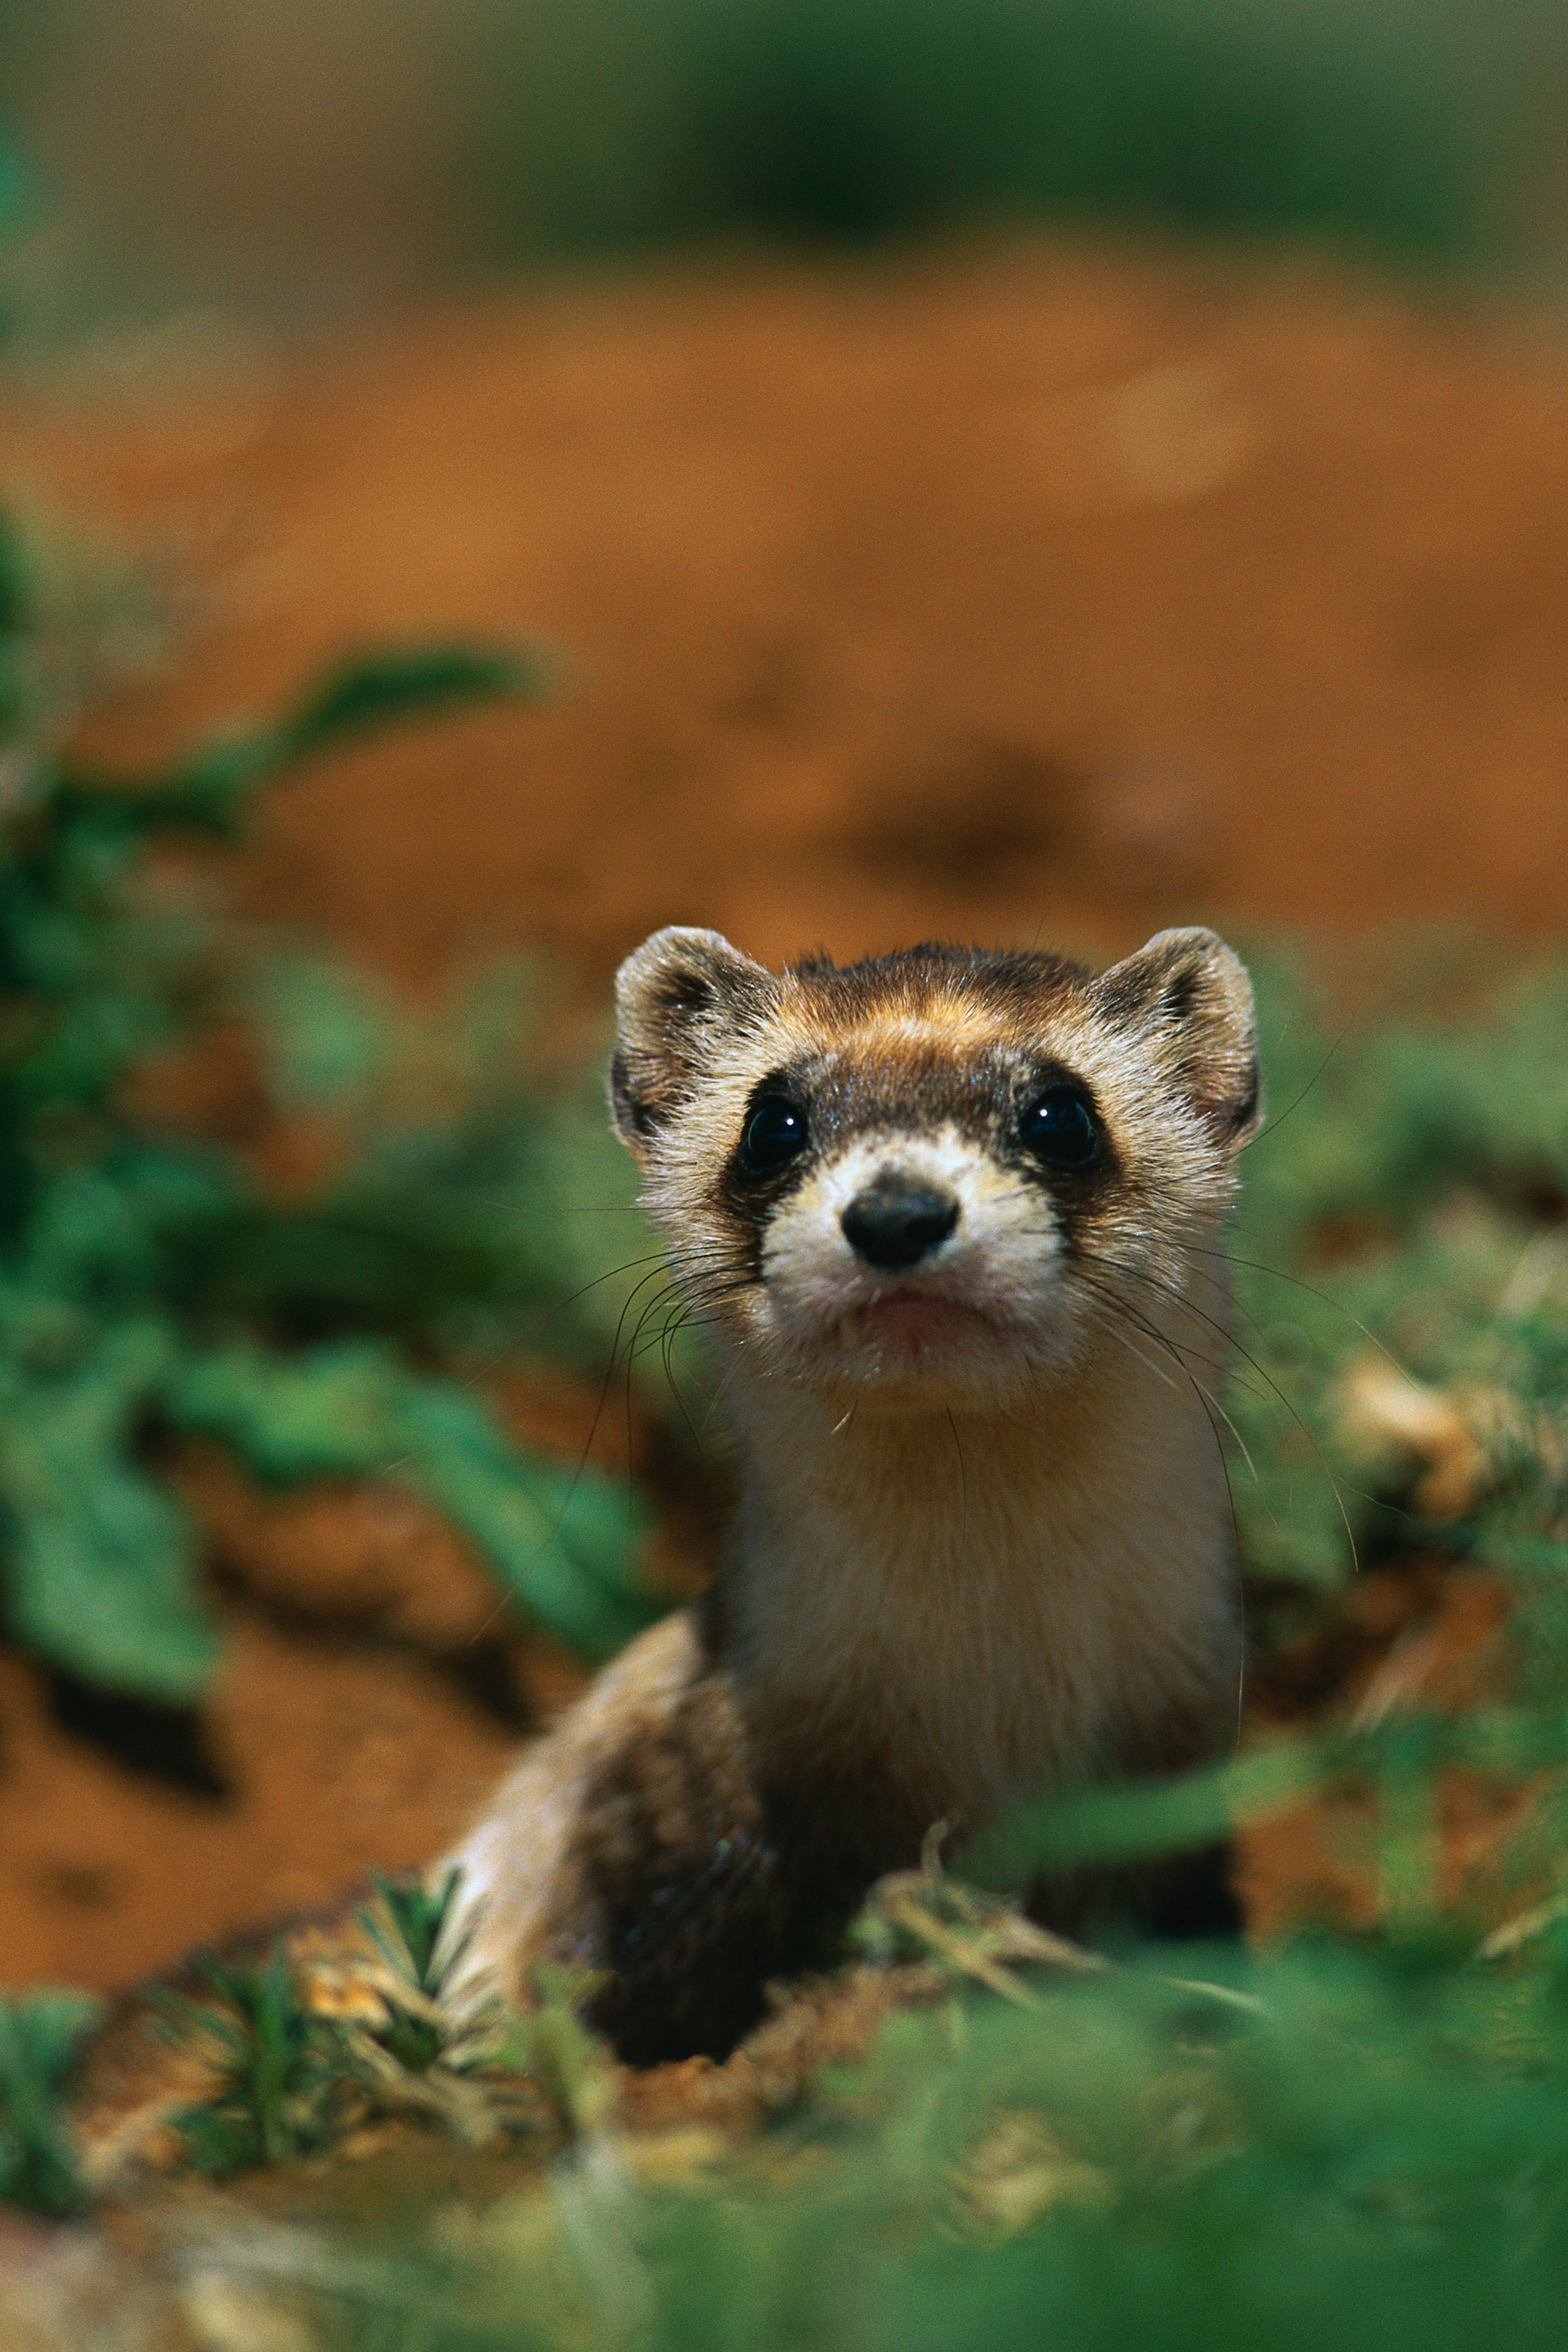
<point>983,1600</point>
<point>893,1501</point>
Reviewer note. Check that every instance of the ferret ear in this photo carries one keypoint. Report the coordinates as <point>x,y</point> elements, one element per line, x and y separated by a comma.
<point>1189,995</point>
<point>676,997</point>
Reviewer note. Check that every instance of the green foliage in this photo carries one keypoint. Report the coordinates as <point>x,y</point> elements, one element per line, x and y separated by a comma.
<point>1338,2145</point>
<point>209,790</point>
<point>405,1927</point>
<point>297,2060</point>
<point>562,1543</point>
<point>40,2033</point>
<point>477,1206</point>
<point>1396,1763</point>
<point>573,2071</point>
<point>1361,2157</point>
<point>1402,1211</point>
<point>276,2062</point>
<point>301,2051</point>
<point>803,117</point>
<point>149,1285</point>
<point>98,1564</point>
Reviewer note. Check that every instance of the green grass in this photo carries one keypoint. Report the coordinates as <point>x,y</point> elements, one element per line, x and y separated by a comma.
<point>41,2033</point>
<point>297,2059</point>
<point>623,122</point>
<point>1336,2146</point>
<point>1402,1211</point>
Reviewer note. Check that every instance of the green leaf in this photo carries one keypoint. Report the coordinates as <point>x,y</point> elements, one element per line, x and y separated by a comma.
<point>40,2034</point>
<point>329,1033</point>
<point>1113,1825</point>
<point>561,1544</point>
<point>391,686</point>
<point>15,568</point>
<point>209,787</point>
<point>277,2063</point>
<point>564,1544</point>
<point>109,1235</point>
<point>328,1413</point>
<point>100,1561</point>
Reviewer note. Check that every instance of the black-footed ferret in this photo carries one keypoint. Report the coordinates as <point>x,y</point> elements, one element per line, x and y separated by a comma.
<point>952,1221</point>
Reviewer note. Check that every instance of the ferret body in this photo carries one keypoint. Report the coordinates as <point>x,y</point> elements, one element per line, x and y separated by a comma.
<point>953,1223</point>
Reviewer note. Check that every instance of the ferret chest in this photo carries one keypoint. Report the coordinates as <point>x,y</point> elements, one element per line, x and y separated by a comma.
<point>956,1611</point>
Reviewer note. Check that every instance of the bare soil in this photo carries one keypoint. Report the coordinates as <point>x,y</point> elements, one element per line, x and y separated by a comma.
<point>1034,594</point>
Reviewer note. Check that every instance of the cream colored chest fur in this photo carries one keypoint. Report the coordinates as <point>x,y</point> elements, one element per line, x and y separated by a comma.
<point>992,1603</point>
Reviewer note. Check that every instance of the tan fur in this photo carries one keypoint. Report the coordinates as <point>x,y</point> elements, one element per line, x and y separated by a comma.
<point>983,1542</point>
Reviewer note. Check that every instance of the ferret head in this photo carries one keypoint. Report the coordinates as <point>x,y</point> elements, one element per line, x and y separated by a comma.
<point>928,1179</point>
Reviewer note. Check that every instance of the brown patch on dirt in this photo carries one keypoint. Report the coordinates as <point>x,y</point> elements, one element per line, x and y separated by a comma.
<point>830,2022</point>
<point>1039,591</point>
<point>1415,1630</point>
<point>1319,1863</point>
<point>1412,1636</point>
<point>335,1757</point>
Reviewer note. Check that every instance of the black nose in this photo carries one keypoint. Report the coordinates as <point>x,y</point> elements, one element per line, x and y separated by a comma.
<point>893,1224</point>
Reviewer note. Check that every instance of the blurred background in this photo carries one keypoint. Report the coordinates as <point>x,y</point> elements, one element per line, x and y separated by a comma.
<point>1030,470</point>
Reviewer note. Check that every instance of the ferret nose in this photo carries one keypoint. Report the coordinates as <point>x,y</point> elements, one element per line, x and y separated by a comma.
<point>894,1223</point>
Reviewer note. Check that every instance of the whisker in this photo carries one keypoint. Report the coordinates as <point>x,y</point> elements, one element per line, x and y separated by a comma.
<point>963,1474</point>
<point>1157,1370</point>
<point>581,1462</point>
<point>1103,1291</point>
<point>1210,1405</point>
<point>1169,1291</point>
<point>648,1258</point>
<point>570,1208</point>
<point>1272,1126</point>
<point>1256,1265</point>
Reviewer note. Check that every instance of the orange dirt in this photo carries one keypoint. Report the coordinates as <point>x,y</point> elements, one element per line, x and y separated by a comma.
<point>1032,592</point>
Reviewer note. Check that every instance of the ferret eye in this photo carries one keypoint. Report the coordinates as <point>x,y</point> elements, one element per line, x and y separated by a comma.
<point>1059,1129</point>
<point>775,1134</point>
